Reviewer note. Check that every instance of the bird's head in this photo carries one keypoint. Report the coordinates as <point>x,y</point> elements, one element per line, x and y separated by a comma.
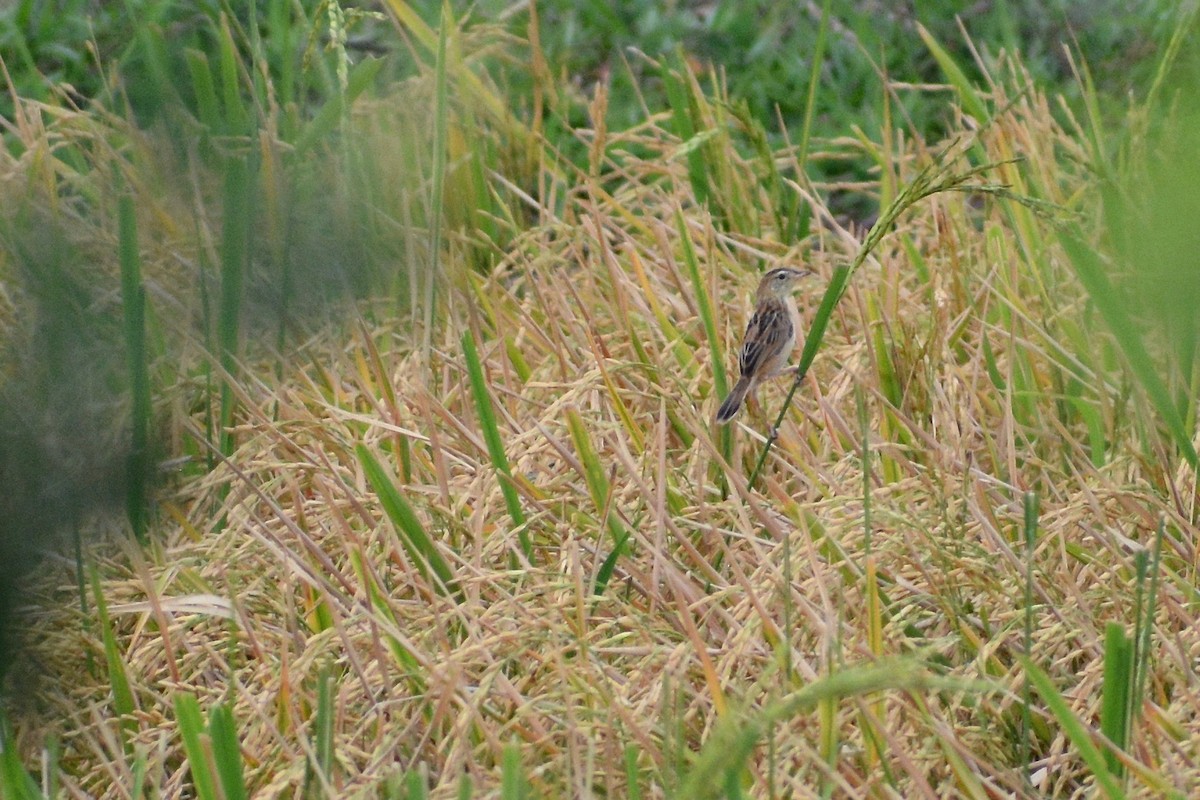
<point>780,281</point>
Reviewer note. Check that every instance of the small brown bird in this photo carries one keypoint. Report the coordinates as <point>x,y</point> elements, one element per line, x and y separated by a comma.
<point>769,338</point>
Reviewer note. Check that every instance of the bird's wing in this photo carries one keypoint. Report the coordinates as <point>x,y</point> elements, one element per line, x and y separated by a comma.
<point>769,329</point>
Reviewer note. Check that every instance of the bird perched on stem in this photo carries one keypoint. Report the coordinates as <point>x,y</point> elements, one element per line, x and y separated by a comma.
<point>769,338</point>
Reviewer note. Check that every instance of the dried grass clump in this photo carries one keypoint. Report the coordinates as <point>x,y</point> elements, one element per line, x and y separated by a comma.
<point>962,362</point>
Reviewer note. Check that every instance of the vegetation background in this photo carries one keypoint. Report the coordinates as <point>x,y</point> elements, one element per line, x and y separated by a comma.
<point>359,366</point>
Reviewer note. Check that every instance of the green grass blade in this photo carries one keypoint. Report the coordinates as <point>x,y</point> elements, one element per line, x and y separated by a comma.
<point>679,98</point>
<point>704,303</point>
<point>633,786</point>
<point>139,776</point>
<point>191,729</point>
<point>81,589</point>
<point>600,489</point>
<point>323,722</point>
<point>1091,274</point>
<point>1145,627</point>
<point>495,446</point>
<point>1075,731</point>
<point>720,380</point>
<point>154,51</point>
<point>235,246</point>
<point>415,786</point>
<point>327,118</point>
<point>593,473</point>
<point>817,63</point>
<point>208,107</point>
<point>733,740</point>
<point>118,678</point>
<point>470,85</point>
<point>824,312</point>
<point>1184,27</point>
<point>512,775</point>
<point>227,752</point>
<point>416,541</point>
<point>970,99</point>
<point>517,358</point>
<point>1114,694</point>
<point>1031,526</point>
<point>237,117</point>
<point>284,40</point>
<point>15,782</point>
<point>1096,126</point>
<point>436,212</point>
<point>609,565</point>
<point>52,768</point>
<point>133,296</point>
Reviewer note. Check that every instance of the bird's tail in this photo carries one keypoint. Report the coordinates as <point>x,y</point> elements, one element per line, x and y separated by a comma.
<point>733,403</point>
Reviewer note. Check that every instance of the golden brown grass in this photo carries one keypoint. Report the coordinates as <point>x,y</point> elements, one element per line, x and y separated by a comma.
<point>973,385</point>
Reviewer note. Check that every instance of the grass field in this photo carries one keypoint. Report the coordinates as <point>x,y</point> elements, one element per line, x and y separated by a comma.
<point>381,408</point>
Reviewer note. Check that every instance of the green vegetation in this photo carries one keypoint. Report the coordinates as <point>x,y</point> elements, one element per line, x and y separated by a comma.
<point>420,319</point>
<point>763,49</point>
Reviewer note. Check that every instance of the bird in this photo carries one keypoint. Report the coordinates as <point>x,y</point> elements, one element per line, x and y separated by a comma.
<point>770,337</point>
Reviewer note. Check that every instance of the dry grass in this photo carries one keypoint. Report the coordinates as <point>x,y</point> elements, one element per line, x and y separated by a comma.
<point>972,384</point>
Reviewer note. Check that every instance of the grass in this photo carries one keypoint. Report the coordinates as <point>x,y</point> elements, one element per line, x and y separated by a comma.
<point>485,541</point>
<point>765,52</point>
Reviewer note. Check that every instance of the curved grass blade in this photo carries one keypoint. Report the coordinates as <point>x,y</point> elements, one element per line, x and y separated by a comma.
<point>1091,274</point>
<point>1075,731</point>
<point>15,782</point>
<point>967,95</point>
<point>600,489</point>
<point>683,112</point>
<point>227,753</point>
<point>118,677</point>
<point>329,115</point>
<point>733,740</point>
<point>191,729</point>
<point>495,446</point>
<point>416,541</point>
